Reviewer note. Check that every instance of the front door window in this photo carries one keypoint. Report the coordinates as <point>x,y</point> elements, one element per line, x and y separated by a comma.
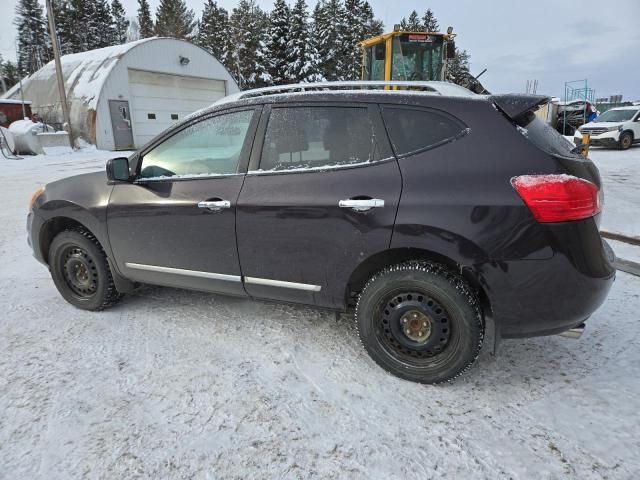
<point>208,148</point>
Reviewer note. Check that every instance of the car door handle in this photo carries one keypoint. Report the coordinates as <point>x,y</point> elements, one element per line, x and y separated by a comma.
<point>361,205</point>
<point>214,205</point>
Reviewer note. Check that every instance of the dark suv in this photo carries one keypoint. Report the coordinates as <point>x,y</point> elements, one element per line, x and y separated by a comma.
<point>433,213</point>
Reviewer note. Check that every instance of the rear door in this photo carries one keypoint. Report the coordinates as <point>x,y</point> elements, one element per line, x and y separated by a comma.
<point>176,224</point>
<point>320,197</point>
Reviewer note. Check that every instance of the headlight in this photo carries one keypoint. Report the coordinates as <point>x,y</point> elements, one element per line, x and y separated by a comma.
<point>35,197</point>
<point>613,129</point>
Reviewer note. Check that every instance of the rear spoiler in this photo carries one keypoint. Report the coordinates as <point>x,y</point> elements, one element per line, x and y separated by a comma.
<point>515,105</point>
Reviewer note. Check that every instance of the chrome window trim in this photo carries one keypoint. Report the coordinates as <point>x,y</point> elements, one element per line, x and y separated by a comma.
<point>279,283</point>
<point>181,271</point>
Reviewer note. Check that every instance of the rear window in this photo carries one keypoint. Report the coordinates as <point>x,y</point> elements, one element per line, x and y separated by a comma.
<point>546,138</point>
<point>412,130</point>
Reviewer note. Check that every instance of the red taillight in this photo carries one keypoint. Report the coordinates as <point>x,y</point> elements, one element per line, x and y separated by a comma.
<point>558,198</point>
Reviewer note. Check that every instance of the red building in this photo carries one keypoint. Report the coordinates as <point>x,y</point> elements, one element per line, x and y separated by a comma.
<point>11,110</point>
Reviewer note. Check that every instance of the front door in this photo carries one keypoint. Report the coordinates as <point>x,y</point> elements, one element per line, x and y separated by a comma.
<point>322,200</point>
<point>121,124</point>
<point>175,225</point>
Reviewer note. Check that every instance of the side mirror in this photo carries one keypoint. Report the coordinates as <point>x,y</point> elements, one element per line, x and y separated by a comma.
<point>451,49</point>
<point>118,169</point>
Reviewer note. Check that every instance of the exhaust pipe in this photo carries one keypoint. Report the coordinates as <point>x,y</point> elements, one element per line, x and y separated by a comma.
<point>575,332</point>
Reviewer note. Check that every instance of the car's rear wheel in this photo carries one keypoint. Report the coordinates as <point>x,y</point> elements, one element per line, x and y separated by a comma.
<point>80,270</point>
<point>420,321</point>
<point>626,140</point>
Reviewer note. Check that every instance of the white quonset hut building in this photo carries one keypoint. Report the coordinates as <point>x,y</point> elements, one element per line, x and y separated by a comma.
<point>120,97</point>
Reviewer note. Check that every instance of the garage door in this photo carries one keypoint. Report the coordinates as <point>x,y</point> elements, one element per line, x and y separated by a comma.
<point>159,100</point>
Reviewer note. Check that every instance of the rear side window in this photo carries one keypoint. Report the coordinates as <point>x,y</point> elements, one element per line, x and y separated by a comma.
<point>546,138</point>
<point>312,137</point>
<point>411,130</point>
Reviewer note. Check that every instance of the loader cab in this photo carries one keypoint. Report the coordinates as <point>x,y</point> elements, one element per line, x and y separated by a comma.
<point>407,56</point>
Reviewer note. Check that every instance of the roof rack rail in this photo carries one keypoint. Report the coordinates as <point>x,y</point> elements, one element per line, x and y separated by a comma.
<point>433,88</point>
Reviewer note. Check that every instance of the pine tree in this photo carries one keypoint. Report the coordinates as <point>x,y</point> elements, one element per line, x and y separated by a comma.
<point>9,73</point>
<point>145,22</point>
<point>133,32</point>
<point>81,25</point>
<point>274,51</point>
<point>174,19</point>
<point>413,24</point>
<point>330,27</point>
<point>247,25</point>
<point>213,34</point>
<point>360,25</point>
<point>64,26</point>
<point>429,22</point>
<point>373,26</point>
<point>33,41</point>
<point>102,32</point>
<point>120,22</point>
<point>458,68</point>
<point>303,65</point>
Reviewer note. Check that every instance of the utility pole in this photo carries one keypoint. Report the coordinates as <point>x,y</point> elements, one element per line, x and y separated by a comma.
<point>60,78</point>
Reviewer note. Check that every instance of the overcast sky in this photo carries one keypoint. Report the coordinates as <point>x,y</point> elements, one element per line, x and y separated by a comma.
<point>552,41</point>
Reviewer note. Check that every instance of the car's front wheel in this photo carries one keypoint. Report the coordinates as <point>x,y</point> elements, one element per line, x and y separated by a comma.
<point>80,270</point>
<point>626,140</point>
<point>420,321</point>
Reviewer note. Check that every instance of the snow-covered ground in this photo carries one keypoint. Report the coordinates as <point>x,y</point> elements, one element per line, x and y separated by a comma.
<point>620,171</point>
<point>177,384</point>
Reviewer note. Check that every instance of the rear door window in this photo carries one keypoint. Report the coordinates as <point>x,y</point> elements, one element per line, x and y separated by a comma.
<point>317,137</point>
<point>412,129</point>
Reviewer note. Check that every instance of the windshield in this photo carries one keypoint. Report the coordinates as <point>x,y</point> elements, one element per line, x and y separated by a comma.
<point>616,116</point>
<point>417,57</point>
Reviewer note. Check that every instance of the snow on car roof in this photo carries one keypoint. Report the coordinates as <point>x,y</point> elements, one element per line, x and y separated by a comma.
<point>434,88</point>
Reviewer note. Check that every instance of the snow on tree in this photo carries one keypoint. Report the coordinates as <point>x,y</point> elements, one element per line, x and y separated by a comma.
<point>9,74</point>
<point>133,32</point>
<point>120,22</point>
<point>33,41</point>
<point>213,34</point>
<point>247,25</point>
<point>360,25</point>
<point>100,25</point>
<point>275,49</point>
<point>145,22</point>
<point>458,67</point>
<point>174,19</point>
<point>330,28</point>
<point>64,26</point>
<point>429,22</point>
<point>303,64</point>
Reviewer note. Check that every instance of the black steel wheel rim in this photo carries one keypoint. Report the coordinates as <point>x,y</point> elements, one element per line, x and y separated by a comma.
<point>413,326</point>
<point>79,271</point>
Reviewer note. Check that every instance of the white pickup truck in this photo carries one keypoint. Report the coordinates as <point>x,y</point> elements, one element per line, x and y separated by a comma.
<point>616,128</point>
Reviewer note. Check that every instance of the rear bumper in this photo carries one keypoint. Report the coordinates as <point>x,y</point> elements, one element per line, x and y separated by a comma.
<point>545,297</point>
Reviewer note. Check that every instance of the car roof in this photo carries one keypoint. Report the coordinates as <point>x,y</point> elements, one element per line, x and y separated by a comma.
<point>627,107</point>
<point>371,91</point>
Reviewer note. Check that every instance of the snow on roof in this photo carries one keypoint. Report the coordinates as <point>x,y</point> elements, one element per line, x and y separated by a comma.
<point>11,101</point>
<point>84,73</point>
